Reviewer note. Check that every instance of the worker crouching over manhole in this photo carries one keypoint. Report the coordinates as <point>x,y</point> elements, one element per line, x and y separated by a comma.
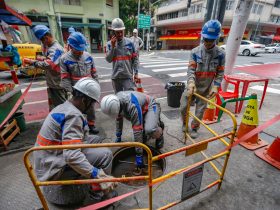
<point>66,125</point>
<point>144,114</point>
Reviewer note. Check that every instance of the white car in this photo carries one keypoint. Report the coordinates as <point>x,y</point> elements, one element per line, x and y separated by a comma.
<point>272,48</point>
<point>248,48</point>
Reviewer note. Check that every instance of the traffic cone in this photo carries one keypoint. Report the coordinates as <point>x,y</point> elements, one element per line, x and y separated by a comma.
<point>249,122</point>
<point>271,153</point>
<point>209,115</point>
<point>138,84</point>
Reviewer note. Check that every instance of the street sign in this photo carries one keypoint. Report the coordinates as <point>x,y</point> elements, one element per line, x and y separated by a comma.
<point>192,182</point>
<point>144,21</point>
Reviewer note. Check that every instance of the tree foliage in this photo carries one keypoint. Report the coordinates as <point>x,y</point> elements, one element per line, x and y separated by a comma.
<point>129,12</point>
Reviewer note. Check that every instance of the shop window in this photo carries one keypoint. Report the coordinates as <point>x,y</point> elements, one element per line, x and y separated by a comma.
<point>109,3</point>
<point>192,9</point>
<point>277,4</point>
<point>229,5</point>
<point>257,9</point>
<point>198,8</point>
<point>69,2</point>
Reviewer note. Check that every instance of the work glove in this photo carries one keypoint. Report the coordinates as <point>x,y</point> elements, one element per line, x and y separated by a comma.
<point>139,161</point>
<point>191,88</point>
<point>100,174</point>
<point>213,92</point>
<point>119,137</point>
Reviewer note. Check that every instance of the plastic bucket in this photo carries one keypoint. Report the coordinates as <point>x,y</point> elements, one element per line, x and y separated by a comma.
<point>19,116</point>
<point>174,93</point>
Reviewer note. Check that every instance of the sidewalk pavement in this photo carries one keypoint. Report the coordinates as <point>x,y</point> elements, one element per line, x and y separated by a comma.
<point>249,182</point>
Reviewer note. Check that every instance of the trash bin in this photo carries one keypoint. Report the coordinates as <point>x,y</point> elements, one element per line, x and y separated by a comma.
<point>174,93</point>
<point>19,116</point>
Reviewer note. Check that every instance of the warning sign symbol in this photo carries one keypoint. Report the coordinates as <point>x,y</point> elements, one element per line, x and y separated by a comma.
<point>192,182</point>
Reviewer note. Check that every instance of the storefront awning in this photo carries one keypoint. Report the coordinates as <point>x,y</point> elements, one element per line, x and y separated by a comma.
<point>81,25</point>
<point>180,37</point>
<point>277,38</point>
<point>11,16</point>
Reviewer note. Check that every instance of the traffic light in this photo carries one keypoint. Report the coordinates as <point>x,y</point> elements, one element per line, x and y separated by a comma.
<point>189,3</point>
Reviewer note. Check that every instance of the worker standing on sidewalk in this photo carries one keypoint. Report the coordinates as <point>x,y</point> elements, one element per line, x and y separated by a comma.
<point>66,125</point>
<point>52,51</point>
<point>144,114</point>
<point>77,64</point>
<point>205,73</point>
<point>138,43</point>
<point>121,51</point>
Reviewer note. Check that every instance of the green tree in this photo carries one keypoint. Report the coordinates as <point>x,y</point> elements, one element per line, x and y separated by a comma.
<point>129,10</point>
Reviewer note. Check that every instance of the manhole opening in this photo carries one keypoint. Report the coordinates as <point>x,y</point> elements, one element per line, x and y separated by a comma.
<point>124,165</point>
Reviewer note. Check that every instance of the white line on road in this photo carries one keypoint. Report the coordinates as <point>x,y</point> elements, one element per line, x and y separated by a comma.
<point>101,67</point>
<point>170,69</point>
<point>35,102</point>
<point>178,74</point>
<point>166,61</point>
<point>160,65</point>
<point>268,90</point>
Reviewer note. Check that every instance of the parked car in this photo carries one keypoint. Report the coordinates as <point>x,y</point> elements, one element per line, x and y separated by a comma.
<point>272,48</point>
<point>248,48</point>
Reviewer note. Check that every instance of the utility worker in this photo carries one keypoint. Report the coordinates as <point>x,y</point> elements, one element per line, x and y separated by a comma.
<point>52,50</point>
<point>77,64</point>
<point>205,72</point>
<point>137,41</point>
<point>70,31</point>
<point>66,125</point>
<point>142,111</point>
<point>121,51</point>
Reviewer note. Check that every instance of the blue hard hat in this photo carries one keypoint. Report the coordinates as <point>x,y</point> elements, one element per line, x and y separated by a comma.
<point>71,30</point>
<point>40,31</point>
<point>77,41</point>
<point>211,29</point>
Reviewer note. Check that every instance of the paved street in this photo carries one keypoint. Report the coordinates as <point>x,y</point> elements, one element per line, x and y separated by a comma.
<point>156,68</point>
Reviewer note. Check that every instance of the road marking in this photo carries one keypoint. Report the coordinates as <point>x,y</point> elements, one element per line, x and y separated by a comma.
<point>178,74</point>
<point>34,89</point>
<point>35,102</point>
<point>101,67</point>
<point>156,62</point>
<point>160,65</point>
<point>268,90</point>
<point>170,69</point>
<point>140,75</point>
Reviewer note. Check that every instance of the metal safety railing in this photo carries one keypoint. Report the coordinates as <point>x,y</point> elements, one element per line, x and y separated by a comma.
<point>189,149</point>
<point>37,183</point>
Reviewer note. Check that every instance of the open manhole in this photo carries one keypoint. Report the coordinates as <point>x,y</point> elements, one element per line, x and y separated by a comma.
<point>124,165</point>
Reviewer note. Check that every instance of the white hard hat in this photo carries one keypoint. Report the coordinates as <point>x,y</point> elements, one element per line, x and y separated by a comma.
<point>117,24</point>
<point>135,31</point>
<point>89,87</point>
<point>110,105</point>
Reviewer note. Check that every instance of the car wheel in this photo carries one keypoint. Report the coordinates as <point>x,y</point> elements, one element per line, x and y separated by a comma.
<point>274,51</point>
<point>246,52</point>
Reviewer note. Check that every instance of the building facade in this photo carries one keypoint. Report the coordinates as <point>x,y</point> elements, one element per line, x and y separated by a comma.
<point>91,17</point>
<point>178,27</point>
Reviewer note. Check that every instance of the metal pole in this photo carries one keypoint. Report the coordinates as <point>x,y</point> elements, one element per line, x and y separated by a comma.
<point>138,12</point>
<point>213,15</point>
<point>221,11</point>
<point>208,13</point>
<point>237,29</point>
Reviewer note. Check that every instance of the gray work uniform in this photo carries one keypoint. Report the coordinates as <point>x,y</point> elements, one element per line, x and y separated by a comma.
<point>141,110</point>
<point>72,70</point>
<point>66,125</point>
<point>125,64</point>
<point>56,95</point>
<point>138,44</point>
<point>206,68</point>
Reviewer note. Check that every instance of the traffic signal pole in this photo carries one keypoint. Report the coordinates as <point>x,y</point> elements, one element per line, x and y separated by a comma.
<point>237,29</point>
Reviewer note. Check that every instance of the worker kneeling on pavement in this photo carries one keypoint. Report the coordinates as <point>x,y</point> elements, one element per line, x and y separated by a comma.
<point>205,73</point>
<point>66,125</point>
<point>142,111</point>
<point>76,64</point>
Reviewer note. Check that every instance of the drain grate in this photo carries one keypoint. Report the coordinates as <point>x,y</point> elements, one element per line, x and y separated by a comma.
<point>172,114</point>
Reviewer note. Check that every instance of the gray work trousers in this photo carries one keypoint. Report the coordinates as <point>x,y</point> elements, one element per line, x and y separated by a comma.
<point>72,194</point>
<point>151,119</point>
<point>56,97</point>
<point>91,115</point>
<point>123,84</point>
<point>200,106</point>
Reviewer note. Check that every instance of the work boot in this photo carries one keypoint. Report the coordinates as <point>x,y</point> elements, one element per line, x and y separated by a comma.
<point>194,133</point>
<point>159,142</point>
<point>93,130</point>
<point>139,165</point>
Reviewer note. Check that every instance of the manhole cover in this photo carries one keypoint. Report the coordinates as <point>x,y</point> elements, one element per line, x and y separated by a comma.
<point>258,62</point>
<point>162,76</point>
<point>172,114</point>
<point>124,165</point>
